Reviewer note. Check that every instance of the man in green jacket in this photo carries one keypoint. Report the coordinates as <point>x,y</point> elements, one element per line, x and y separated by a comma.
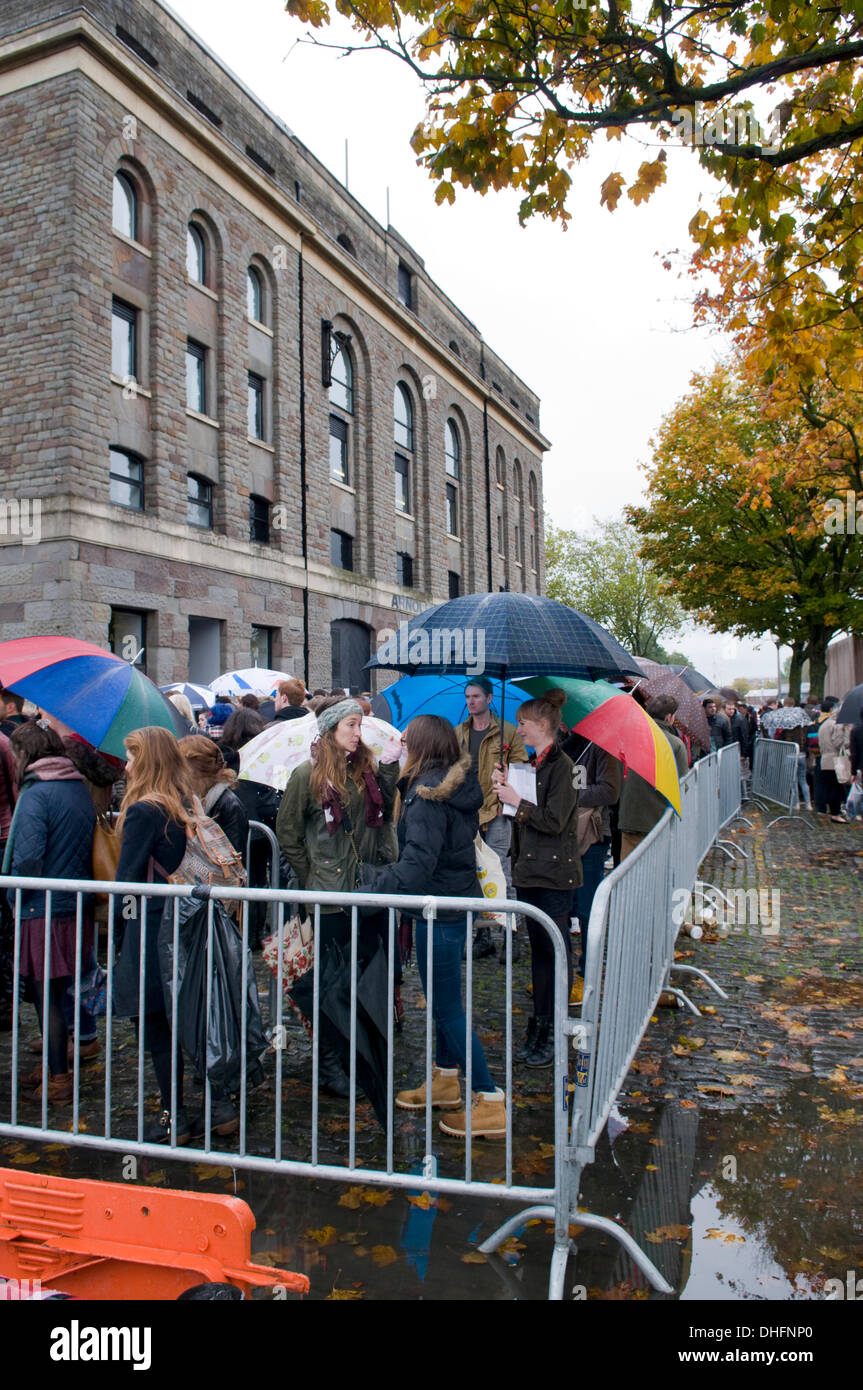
<point>479,736</point>
<point>641,805</point>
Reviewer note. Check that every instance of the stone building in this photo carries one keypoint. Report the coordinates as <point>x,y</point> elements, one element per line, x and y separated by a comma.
<point>239,423</point>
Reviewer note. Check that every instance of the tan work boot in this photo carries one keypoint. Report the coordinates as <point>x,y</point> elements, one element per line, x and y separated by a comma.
<point>446,1092</point>
<point>488,1117</point>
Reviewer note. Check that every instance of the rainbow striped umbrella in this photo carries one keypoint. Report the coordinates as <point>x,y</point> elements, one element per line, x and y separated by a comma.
<point>97,694</point>
<point>616,723</point>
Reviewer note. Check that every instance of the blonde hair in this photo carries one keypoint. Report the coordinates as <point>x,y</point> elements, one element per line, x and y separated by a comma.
<point>158,775</point>
<point>183,704</point>
<point>545,707</point>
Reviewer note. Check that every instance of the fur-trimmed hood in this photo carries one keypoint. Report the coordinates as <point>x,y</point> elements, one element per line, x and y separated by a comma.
<point>456,785</point>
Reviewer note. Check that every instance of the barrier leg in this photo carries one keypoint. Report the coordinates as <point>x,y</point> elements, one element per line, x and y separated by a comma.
<point>515,1223</point>
<point>631,1246</point>
<point>684,999</point>
<point>727,846</point>
<point>702,975</point>
<point>557,1272</point>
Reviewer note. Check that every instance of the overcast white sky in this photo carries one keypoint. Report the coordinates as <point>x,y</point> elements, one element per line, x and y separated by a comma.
<point>587,316</point>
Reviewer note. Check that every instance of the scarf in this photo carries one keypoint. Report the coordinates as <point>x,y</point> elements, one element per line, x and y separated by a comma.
<point>335,812</point>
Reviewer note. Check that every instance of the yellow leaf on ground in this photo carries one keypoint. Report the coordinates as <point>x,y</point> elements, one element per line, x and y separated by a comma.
<point>754,979</point>
<point>744,1079</point>
<point>383,1255</point>
<point>831,1253</point>
<point>325,1235</point>
<point>651,1167</point>
<point>837,1075</point>
<point>667,1233</point>
<point>473,1257</point>
<point>688,1104</point>
<point>343,1294</point>
<point>724,1056</point>
<point>789,1183</point>
<point>692,1043</point>
<point>372,1196</point>
<point>727,1237</point>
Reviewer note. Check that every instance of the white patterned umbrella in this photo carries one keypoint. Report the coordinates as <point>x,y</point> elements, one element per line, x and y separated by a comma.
<point>253,680</point>
<point>787,717</point>
<point>272,756</point>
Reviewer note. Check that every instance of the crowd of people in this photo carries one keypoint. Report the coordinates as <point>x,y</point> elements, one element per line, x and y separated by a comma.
<point>407,823</point>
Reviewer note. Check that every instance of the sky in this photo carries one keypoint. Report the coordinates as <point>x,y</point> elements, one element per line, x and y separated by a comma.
<point>587,316</point>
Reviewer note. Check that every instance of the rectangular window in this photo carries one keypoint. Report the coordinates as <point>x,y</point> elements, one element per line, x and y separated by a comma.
<point>500,549</point>
<point>404,569</point>
<point>205,649</point>
<point>196,377</point>
<point>256,406</point>
<point>199,503</point>
<point>124,339</point>
<point>403,488</point>
<point>127,636</point>
<point>405,286</point>
<point>533,564</point>
<point>341,550</point>
<point>339,471</point>
<point>451,509</point>
<point>261,647</point>
<point>126,480</point>
<point>259,520</point>
<point>454,583</point>
<point>517,537</point>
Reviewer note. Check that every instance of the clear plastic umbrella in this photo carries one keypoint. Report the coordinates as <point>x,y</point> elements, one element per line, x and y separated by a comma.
<point>272,756</point>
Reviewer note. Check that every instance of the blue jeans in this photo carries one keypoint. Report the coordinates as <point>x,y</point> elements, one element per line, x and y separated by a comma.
<point>593,871</point>
<point>448,944</point>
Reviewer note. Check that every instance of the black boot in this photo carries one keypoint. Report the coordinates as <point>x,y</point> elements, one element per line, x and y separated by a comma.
<point>529,1040</point>
<point>482,943</point>
<point>516,947</point>
<point>331,1074</point>
<point>543,1049</point>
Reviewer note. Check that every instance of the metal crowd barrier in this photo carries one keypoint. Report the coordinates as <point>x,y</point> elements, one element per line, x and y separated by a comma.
<point>94,1120</point>
<point>774,778</point>
<point>731,783</point>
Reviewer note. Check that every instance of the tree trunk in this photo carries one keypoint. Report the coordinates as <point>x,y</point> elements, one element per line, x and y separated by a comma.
<point>798,655</point>
<point>817,647</point>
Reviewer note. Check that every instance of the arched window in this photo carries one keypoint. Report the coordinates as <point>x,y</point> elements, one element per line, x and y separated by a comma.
<point>341,375</point>
<point>124,217</point>
<point>531,492</point>
<point>255,295</point>
<point>452,447</point>
<point>499,467</point>
<point>196,255</point>
<point>517,481</point>
<point>345,242</point>
<point>403,433</point>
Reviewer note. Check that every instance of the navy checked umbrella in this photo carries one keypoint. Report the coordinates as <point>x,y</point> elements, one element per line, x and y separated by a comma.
<point>506,636</point>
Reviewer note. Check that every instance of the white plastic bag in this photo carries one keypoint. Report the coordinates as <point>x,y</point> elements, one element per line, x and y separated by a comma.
<point>489,871</point>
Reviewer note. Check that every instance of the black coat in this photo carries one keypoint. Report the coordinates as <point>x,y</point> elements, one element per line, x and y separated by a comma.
<point>544,845</point>
<point>229,813</point>
<point>148,833</point>
<point>437,828</point>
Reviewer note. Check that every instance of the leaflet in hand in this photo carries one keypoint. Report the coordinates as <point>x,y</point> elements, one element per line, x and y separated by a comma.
<point>522,779</point>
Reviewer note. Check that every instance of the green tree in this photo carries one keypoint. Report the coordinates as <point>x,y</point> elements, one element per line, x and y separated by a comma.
<point>601,575</point>
<point>746,553</point>
<point>742,686</point>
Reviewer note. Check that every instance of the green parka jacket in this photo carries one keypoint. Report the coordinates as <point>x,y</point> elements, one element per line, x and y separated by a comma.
<point>544,846</point>
<point>329,862</point>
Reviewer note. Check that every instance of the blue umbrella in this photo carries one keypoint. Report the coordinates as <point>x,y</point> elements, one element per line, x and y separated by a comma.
<point>437,694</point>
<point>505,635</point>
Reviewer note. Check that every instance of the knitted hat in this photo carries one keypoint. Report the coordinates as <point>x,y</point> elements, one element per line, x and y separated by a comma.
<point>330,717</point>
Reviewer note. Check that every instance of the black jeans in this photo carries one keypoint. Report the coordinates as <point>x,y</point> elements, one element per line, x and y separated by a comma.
<point>555,902</point>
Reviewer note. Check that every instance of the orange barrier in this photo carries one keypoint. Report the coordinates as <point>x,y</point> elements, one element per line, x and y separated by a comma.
<point>105,1240</point>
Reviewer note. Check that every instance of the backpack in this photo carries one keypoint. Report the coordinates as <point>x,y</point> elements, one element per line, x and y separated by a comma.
<point>210,858</point>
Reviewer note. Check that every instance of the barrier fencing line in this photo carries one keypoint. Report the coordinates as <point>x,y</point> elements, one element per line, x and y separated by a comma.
<point>630,957</point>
<point>774,779</point>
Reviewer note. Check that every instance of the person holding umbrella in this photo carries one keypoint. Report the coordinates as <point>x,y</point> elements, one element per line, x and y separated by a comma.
<point>336,812</point>
<point>546,866</point>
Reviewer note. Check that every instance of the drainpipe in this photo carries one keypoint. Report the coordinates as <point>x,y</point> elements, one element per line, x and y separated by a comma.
<point>304,540</point>
<point>487,471</point>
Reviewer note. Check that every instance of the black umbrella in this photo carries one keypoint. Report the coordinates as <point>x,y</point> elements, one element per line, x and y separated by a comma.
<point>851,709</point>
<point>334,1026</point>
<point>694,679</point>
<point>505,635</point>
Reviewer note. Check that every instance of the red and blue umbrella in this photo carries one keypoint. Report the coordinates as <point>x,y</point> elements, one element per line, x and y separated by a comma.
<point>97,694</point>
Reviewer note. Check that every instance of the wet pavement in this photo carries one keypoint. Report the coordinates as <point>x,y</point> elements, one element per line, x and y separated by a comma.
<point>737,1169</point>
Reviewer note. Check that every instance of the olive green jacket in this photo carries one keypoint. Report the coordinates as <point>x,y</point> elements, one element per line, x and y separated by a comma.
<point>329,862</point>
<point>544,845</point>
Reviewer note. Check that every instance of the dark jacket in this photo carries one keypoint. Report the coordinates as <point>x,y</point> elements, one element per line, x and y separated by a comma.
<point>603,777</point>
<point>52,834</point>
<point>8,793</point>
<point>329,862</point>
<point>437,828</point>
<point>148,833</point>
<point>289,712</point>
<point>641,805</point>
<point>544,845</point>
<point>720,730</point>
<point>227,810</point>
<point>259,801</point>
<point>856,745</point>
